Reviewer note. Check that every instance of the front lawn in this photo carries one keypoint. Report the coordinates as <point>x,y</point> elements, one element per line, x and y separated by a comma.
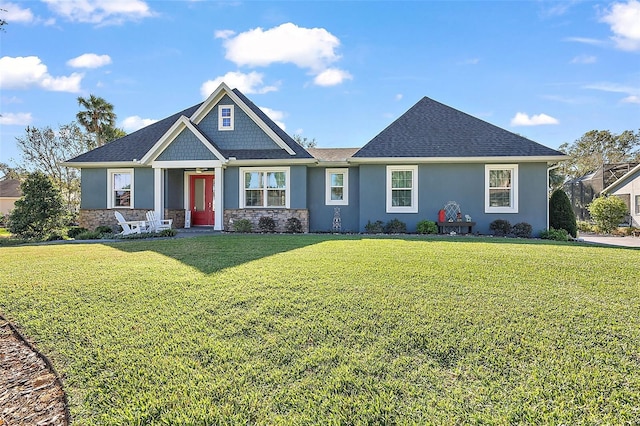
<point>268,329</point>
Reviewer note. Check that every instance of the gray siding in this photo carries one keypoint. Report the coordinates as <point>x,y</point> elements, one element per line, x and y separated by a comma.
<point>231,188</point>
<point>321,215</point>
<point>143,188</point>
<point>186,147</point>
<point>245,134</point>
<point>462,183</point>
<point>93,187</point>
<point>174,188</point>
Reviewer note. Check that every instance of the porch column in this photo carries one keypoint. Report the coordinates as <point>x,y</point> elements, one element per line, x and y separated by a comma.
<point>158,192</point>
<point>218,201</point>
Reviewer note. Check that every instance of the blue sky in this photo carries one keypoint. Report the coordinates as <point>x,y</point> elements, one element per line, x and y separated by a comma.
<point>336,71</point>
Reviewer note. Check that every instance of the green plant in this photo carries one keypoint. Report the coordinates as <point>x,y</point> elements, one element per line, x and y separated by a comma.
<point>40,211</point>
<point>500,227</point>
<point>395,226</point>
<point>584,226</point>
<point>267,224</point>
<point>522,230</point>
<point>104,229</point>
<point>167,233</point>
<point>608,212</point>
<point>54,236</point>
<point>89,235</point>
<point>293,226</point>
<point>242,225</point>
<point>376,227</point>
<point>74,231</point>
<point>427,227</point>
<point>3,219</point>
<point>555,234</point>
<point>561,215</point>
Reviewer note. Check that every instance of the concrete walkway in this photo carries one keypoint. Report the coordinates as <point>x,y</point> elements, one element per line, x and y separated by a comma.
<point>609,240</point>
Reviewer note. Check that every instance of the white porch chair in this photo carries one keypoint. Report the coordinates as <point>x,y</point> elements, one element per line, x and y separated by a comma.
<point>155,224</point>
<point>129,226</point>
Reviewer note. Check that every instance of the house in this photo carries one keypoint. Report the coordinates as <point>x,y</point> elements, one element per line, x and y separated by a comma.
<point>627,187</point>
<point>9,194</point>
<point>224,160</point>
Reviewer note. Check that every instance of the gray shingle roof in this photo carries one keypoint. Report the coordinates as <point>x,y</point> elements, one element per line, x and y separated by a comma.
<point>10,188</point>
<point>431,129</point>
<point>332,154</point>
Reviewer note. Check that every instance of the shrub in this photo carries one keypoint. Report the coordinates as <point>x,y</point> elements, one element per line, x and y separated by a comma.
<point>267,224</point>
<point>522,230</point>
<point>395,226</point>
<point>89,235</point>
<point>3,219</point>
<point>73,232</point>
<point>40,211</point>
<point>376,227</point>
<point>555,234</point>
<point>104,229</point>
<point>561,214</point>
<point>293,226</point>
<point>584,226</point>
<point>55,236</point>
<point>427,227</point>
<point>608,212</point>
<point>242,225</point>
<point>167,233</point>
<point>500,227</point>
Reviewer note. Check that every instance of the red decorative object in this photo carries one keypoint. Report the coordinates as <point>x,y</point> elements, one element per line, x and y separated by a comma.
<point>441,216</point>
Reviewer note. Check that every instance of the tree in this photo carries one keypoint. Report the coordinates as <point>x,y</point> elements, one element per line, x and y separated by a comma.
<point>561,214</point>
<point>608,212</point>
<point>113,133</point>
<point>305,142</point>
<point>598,147</point>
<point>11,172</point>
<point>2,21</point>
<point>98,118</point>
<point>40,211</point>
<point>44,149</point>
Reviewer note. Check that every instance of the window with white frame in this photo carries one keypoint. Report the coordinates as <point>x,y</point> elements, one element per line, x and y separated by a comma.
<point>120,188</point>
<point>638,204</point>
<point>501,188</point>
<point>225,117</point>
<point>337,187</point>
<point>264,187</point>
<point>402,189</point>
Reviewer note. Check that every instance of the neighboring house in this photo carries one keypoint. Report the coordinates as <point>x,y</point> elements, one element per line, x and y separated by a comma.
<point>224,160</point>
<point>9,194</point>
<point>627,187</point>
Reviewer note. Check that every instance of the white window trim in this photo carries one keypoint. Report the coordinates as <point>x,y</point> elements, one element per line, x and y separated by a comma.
<point>220,126</point>
<point>345,187</point>
<point>514,188</point>
<point>413,208</point>
<point>265,170</point>
<point>110,198</point>
<point>637,204</point>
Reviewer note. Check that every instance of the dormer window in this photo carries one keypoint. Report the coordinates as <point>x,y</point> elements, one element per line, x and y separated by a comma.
<point>225,117</point>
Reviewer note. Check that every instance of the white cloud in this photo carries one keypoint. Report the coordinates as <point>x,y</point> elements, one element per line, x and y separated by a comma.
<point>14,13</point>
<point>89,60</point>
<point>101,12</point>
<point>584,59</point>
<point>225,34</point>
<point>276,116</point>
<point>633,99</point>
<point>133,123</point>
<point>246,83</point>
<point>24,72</point>
<point>624,20</point>
<point>399,96</point>
<point>332,77</point>
<point>522,119</point>
<point>585,40</point>
<point>632,92</point>
<point>16,119</point>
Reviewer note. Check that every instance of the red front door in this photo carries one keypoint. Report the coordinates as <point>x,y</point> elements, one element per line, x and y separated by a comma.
<point>201,199</point>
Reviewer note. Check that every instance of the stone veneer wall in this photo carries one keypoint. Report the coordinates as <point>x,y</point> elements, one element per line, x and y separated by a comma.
<point>280,216</point>
<point>92,218</point>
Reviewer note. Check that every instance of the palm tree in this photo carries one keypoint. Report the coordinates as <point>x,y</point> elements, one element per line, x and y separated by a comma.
<point>98,117</point>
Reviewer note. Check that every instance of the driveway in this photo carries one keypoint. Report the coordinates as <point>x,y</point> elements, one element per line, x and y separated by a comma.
<point>610,240</point>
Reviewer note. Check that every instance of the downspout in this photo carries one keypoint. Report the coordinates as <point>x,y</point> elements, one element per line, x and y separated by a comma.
<point>549,189</point>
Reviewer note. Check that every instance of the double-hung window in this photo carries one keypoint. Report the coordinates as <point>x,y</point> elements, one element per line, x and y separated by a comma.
<point>337,187</point>
<point>120,188</point>
<point>402,189</point>
<point>225,117</point>
<point>638,204</point>
<point>501,188</point>
<point>265,187</point>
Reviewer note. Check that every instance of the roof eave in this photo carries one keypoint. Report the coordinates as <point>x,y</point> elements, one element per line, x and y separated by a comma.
<point>101,164</point>
<point>498,159</point>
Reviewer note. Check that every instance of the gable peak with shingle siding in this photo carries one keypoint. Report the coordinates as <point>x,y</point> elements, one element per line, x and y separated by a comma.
<point>430,129</point>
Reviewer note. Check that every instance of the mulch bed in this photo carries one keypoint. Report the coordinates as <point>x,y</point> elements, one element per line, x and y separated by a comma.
<point>30,391</point>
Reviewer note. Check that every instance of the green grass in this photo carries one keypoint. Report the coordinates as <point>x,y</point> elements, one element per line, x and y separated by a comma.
<point>334,330</point>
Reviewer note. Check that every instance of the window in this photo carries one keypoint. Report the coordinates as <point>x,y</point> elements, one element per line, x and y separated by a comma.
<point>264,187</point>
<point>638,204</point>
<point>402,189</point>
<point>337,187</point>
<point>120,188</point>
<point>501,188</point>
<point>225,117</point>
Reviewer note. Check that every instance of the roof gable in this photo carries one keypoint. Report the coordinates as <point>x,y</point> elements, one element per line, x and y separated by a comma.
<point>183,142</point>
<point>433,130</point>
<point>628,177</point>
